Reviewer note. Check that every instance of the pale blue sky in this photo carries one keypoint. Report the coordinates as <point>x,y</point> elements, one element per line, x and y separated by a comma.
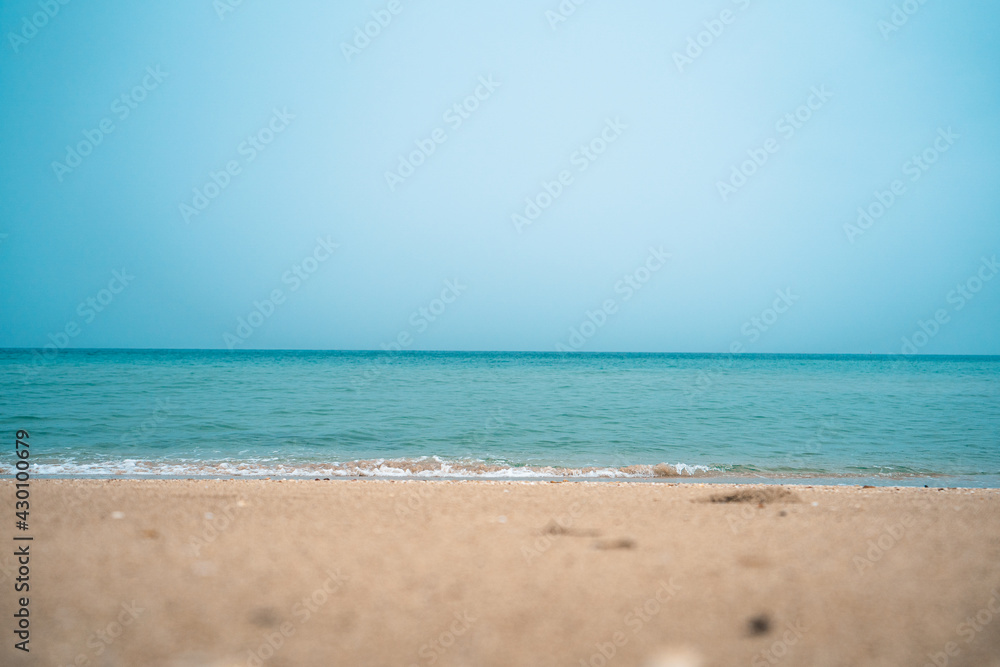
<point>335,126</point>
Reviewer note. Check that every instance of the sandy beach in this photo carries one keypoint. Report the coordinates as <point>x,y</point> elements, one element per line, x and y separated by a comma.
<point>224,573</point>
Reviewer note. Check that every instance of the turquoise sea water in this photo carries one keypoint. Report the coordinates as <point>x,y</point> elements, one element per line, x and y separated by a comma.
<point>926,420</point>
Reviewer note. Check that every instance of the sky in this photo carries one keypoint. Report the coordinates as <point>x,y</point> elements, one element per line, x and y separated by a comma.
<point>717,176</point>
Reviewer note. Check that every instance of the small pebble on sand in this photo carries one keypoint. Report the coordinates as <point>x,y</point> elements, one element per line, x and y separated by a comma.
<point>676,657</point>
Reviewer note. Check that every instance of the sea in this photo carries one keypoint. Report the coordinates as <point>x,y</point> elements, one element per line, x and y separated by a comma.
<point>811,419</point>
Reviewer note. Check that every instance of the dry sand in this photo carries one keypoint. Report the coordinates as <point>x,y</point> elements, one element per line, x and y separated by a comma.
<point>505,573</point>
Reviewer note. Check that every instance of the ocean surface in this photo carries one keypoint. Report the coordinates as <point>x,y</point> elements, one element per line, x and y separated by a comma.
<point>816,419</point>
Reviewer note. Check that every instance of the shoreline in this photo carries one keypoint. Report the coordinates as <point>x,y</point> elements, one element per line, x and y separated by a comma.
<point>914,482</point>
<point>505,572</point>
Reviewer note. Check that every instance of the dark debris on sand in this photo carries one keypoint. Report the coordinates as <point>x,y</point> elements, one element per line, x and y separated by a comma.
<point>621,543</point>
<point>759,625</point>
<point>759,496</point>
<point>555,528</point>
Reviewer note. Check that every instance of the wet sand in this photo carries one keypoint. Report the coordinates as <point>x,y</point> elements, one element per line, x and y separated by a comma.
<point>127,572</point>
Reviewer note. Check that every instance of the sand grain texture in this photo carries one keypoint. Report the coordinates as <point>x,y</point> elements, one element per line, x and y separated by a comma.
<point>504,573</point>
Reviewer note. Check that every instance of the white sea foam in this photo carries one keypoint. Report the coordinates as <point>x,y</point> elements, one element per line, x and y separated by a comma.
<point>425,467</point>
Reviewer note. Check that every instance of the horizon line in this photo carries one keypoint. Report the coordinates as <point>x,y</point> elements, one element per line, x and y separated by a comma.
<point>459,351</point>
